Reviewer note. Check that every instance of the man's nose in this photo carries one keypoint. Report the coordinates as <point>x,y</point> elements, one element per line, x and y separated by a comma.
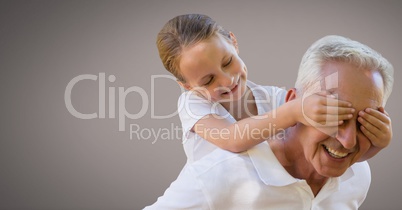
<point>346,135</point>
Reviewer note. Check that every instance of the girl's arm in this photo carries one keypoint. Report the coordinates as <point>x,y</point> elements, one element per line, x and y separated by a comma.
<point>321,110</point>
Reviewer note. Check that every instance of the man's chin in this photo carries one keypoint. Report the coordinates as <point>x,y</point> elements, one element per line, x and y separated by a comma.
<point>332,172</point>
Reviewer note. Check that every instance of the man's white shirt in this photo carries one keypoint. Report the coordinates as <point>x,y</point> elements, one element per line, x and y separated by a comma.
<point>256,180</point>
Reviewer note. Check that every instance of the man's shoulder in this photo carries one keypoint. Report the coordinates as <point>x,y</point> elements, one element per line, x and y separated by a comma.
<point>268,97</point>
<point>271,90</point>
<point>361,167</point>
<point>252,164</point>
<point>358,174</point>
<point>217,160</point>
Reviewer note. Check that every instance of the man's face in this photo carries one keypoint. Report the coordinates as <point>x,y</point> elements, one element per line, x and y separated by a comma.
<point>331,155</point>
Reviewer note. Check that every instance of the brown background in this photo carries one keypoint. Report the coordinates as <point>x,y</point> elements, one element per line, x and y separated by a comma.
<point>51,160</point>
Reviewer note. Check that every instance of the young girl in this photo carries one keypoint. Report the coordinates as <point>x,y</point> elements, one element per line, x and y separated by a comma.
<point>221,107</point>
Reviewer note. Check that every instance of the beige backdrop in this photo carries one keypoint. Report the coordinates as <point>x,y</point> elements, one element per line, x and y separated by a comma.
<point>51,159</point>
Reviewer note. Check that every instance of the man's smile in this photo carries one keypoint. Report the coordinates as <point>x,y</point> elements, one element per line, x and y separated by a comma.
<point>335,153</point>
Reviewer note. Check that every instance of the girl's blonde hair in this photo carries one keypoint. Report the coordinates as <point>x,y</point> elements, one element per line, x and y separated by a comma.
<point>181,32</point>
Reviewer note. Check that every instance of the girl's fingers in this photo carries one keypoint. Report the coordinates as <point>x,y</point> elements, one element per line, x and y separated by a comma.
<point>333,124</point>
<point>335,102</point>
<point>374,130</point>
<point>369,135</point>
<point>379,122</point>
<point>382,110</point>
<point>325,93</point>
<point>339,110</point>
<point>382,116</point>
<point>332,118</point>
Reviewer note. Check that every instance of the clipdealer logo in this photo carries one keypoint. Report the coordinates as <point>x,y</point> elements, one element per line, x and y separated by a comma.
<point>329,82</point>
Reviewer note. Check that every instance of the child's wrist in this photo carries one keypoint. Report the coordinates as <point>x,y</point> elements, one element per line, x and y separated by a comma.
<point>295,110</point>
<point>292,109</point>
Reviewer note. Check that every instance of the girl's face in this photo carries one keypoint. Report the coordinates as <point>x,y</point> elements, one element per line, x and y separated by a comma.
<point>214,69</point>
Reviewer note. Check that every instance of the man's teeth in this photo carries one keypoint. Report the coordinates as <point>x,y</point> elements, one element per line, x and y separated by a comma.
<point>335,153</point>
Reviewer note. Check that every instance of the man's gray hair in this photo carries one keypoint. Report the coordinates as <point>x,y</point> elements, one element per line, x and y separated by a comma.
<point>338,48</point>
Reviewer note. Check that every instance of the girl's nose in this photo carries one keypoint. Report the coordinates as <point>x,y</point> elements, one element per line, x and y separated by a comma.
<point>227,80</point>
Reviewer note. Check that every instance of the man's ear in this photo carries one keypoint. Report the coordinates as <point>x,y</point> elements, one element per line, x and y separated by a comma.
<point>291,94</point>
<point>234,41</point>
<point>184,85</point>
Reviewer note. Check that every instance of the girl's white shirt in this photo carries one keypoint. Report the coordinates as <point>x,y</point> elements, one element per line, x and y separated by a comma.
<point>192,108</point>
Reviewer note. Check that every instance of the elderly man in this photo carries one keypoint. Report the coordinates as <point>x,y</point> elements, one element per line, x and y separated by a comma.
<point>310,167</point>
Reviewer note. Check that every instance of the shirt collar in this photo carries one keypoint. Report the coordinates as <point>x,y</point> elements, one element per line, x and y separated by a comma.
<point>269,169</point>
